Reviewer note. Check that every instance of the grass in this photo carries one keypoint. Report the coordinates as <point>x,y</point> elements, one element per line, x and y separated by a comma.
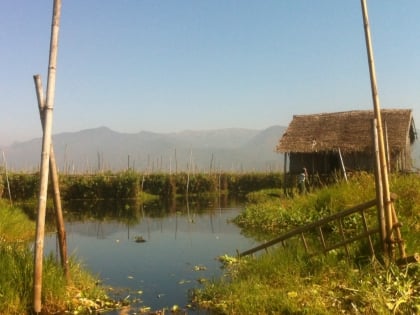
<point>83,294</point>
<point>286,281</point>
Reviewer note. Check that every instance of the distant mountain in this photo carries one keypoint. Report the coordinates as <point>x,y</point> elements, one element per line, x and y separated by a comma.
<point>98,149</point>
<point>101,148</point>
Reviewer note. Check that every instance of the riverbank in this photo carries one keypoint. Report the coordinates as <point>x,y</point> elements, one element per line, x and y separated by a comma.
<point>82,294</point>
<point>286,281</point>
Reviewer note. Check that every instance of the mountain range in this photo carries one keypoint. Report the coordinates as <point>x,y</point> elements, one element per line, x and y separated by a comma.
<point>102,149</point>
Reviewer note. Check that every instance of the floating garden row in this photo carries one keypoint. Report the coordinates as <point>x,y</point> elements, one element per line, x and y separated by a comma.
<point>128,185</point>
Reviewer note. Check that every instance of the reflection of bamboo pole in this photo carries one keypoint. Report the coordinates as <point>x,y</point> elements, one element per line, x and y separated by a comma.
<point>55,181</point>
<point>45,158</point>
<point>377,111</point>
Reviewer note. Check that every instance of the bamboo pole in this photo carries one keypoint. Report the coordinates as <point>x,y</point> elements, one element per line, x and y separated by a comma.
<point>45,158</point>
<point>377,112</point>
<point>55,181</point>
<point>379,189</point>
<point>342,164</point>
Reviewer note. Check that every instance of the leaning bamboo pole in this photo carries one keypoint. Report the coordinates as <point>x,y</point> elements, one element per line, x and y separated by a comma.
<point>377,111</point>
<point>55,181</point>
<point>45,158</point>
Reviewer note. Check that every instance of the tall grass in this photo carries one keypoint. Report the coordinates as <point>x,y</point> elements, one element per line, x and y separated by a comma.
<point>16,273</point>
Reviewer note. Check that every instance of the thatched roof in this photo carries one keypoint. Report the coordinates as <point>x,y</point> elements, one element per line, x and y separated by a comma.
<point>348,131</point>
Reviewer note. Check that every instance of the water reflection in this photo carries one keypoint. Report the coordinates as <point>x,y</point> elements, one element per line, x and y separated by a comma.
<point>182,242</point>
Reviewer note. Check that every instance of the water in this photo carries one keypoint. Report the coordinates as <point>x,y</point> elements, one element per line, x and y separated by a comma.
<point>182,243</point>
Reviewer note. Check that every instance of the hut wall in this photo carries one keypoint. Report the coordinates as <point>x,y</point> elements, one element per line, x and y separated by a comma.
<point>315,163</point>
<point>329,162</point>
<point>359,161</point>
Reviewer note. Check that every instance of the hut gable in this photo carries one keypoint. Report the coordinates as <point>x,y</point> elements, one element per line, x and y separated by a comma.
<point>348,132</point>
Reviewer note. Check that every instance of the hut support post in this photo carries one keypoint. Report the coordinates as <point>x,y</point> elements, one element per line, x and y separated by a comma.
<point>377,112</point>
<point>45,158</point>
<point>387,154</point>
<point>55,181</point>
<point>285,174</point>
<point>342,164</point>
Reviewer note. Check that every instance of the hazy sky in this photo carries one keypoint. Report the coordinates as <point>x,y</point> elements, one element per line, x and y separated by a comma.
<point>166,65</point>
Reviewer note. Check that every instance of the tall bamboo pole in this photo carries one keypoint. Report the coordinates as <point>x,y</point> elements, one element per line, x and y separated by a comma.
<point>381,143</point>
<point>55,181</point>
<point>379,189</point>
<point>45,158</point>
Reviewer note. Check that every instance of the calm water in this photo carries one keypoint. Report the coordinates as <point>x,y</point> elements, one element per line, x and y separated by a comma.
<point>180,238</point>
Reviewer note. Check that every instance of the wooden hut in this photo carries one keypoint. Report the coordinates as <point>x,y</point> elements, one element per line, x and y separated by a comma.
<point>327,142</point>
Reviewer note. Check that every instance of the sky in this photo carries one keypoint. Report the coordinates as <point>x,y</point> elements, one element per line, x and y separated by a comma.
<point>168,66</point>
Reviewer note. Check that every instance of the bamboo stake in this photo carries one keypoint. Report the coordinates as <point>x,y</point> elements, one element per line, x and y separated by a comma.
<point>56,187</point>
<point>45,158</point>
<point>400,240</point>
<point>379,189</point>
<point>377,112</point>
<point>342,164</point>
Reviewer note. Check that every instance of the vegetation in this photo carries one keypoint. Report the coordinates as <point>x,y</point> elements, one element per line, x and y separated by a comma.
<point>16,273</point>
<point>286,281</point>
<point>130,184</point>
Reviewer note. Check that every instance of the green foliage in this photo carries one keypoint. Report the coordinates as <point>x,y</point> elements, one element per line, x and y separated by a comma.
<point>102,186</point>
<point>23,186</point>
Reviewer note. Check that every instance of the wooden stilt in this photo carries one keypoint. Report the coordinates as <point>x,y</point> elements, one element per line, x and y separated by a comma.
<point>285,174</point>
<point>343,168</point>
<point>55,181</point>
<point>45,159</point>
